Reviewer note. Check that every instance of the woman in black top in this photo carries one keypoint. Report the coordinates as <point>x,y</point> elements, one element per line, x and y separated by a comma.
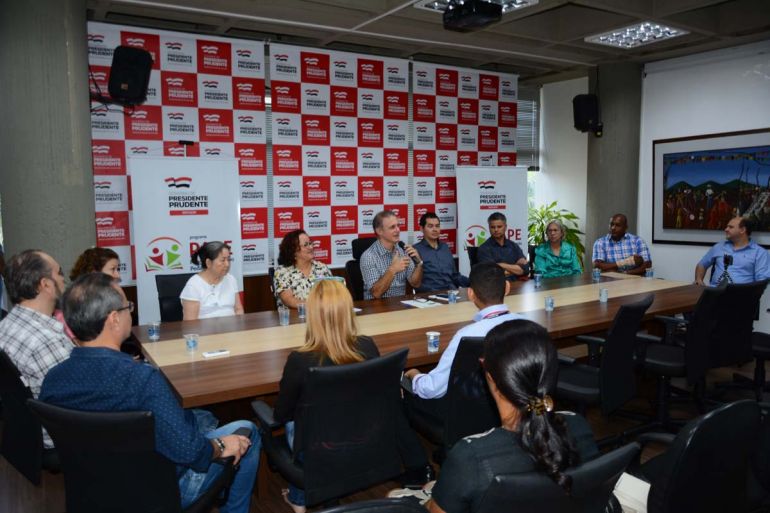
<point>332,339</point>
<point>521,369</point>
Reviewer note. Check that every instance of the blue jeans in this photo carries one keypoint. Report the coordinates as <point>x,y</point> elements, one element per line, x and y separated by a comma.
<point>296,495</point>
<point>192,484</point>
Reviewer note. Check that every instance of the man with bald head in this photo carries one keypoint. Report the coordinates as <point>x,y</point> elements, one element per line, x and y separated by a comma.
<point>744,260</point>
<point>621,251</point>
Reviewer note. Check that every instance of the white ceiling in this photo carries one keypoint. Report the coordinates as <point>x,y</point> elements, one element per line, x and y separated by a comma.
<point>541,43</point>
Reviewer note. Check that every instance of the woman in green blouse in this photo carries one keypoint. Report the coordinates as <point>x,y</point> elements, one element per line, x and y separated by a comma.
<point>556,257</point>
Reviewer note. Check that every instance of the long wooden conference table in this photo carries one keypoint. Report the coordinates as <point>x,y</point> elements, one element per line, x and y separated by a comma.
<point>259,346</point>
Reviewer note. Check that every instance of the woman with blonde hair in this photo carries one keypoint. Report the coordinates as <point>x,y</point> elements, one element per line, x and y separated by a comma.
<point>332,338</point>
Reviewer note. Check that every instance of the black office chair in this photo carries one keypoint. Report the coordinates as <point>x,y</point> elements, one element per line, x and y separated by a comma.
<point>718,334</point>
<point>705,468</point>
<point>473,255</point>
<point>470,408</point>
<point>169,287</point>
<point>110,463</point>
<point>534,492</point>
<point>612,383</point>
<point>760,350</point>
<point>531,255</point>
<point>271,277</point>
<point>378,506</point>
<point>22,443</point>
<point>355,281</point>
<point>345,429</point>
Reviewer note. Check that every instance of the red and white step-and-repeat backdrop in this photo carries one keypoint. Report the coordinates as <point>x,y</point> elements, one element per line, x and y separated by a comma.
<point>462,117</point>
<point>340,133</point>
<point>203,89</point>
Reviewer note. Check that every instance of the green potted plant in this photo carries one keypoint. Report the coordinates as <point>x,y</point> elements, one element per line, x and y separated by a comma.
<point>538,222</point>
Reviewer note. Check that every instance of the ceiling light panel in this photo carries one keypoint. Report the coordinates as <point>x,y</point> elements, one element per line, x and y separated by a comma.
<point>636,35</point>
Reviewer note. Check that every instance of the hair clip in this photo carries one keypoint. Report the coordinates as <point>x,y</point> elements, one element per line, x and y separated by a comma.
<point>540,406</point>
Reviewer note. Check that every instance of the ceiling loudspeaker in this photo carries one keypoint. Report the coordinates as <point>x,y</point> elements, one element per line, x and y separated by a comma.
<point>467,15</point>
<point>585,110</point>
<point>129,75</point>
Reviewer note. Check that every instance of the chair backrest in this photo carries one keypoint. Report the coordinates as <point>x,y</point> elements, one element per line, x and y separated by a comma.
<point>706,467</point>
<point>22,443</point>
<point>271,278</point>
<point>473,255</point>
<point>169,287</point>
<point>109,460</point>
<point>346,426</point>
<point>617,380</point>
<point>355,280</point>
<point>730,342</point>
<point>470,406</point>
<point>531,254</point>
<point>378,506</point>
<point>534,492</point>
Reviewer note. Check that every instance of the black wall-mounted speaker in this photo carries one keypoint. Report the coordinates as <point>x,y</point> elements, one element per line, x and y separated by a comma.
<point>585,110</point>
<point>129,75</point>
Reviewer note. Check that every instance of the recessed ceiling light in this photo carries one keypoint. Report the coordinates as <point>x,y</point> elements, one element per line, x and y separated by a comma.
<point>636,35</point>
<point>441,5</point>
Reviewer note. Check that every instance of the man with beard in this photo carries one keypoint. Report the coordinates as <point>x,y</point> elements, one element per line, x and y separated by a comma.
<point>33,340</point>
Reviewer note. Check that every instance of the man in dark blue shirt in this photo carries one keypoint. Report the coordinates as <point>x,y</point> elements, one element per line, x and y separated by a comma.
<point>503,252</point>
<point>439,272</point>
<point>98,377</point>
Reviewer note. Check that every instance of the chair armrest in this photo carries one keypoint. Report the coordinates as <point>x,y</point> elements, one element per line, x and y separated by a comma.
<point>265,417</point>
<point>563,358</point>
<point>224,461</point>
<point>764,408</point>
<point>591,341</point>
<point>662,438</point>
<point>648,338</point>
<point>670,319</point>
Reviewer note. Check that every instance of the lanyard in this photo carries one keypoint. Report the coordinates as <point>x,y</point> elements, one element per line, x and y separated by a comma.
<point>492,315</point>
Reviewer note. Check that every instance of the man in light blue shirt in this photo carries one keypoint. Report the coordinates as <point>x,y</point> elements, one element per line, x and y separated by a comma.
<point>487,290</point>
<point>746,260</point>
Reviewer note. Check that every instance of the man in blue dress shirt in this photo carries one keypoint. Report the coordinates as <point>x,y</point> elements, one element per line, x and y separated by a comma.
<point>487,291</point>
<point>439,272</point>
<point>98,377</point>
<point>747,261</point>
<point>502,251</point>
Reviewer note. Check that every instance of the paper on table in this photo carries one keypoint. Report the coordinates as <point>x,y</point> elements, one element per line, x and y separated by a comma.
<point>356,310</point>
<point>420,303</point>
<point>632,493</point>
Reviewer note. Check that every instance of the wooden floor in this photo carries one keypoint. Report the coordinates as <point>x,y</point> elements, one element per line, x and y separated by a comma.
<point>19,496</point>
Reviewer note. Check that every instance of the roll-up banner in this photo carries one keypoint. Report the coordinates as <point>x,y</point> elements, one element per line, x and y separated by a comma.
<point>482,191</point>
<point>179,205</point>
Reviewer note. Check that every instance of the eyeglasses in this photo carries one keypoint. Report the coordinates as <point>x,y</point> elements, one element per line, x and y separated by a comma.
<point>130,307</point>
<point>308,244</point>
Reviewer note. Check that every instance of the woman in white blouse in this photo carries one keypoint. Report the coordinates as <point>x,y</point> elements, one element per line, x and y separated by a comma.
<point>212,292</point>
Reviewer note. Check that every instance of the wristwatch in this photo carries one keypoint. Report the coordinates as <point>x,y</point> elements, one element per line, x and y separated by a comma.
<point>221,445</point>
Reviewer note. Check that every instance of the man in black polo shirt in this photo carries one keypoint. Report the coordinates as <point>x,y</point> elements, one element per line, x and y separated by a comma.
<point>501,251</point>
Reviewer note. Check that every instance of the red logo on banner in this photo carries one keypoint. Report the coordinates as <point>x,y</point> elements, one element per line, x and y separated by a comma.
<point>446,188</point>
<point>112,229</point>
<point>369,73</point>
<point>109,157</point>
<point>344,220</point>
<point>468,111</point>
<point>424,107</point>
<point>317,190</point>
<point>287,160</point>
<point>248,93</point>
<point>179,89</point>
<point>144,122</point>
<point>213,57</point>
<point>149,42</point>
<point>286,219</point>
<point>315,67</point>
<point>401,212</point>
<point>370,132</point>
<point>419,211</point>
<point>489,87</point>
<point>467,158</point>
<point>253,223</point>
<point>315,130</point>
<point>344,101</point>
<point>446,137</point>
<point>424,162</point>
<point>396,162</point>
<point>344,161</point>
<point>446,82</point>
<point>506,114</point>
<point>286,97</point>
<point>174,149</point>
<point>322,248</point>
<point>216,125</point>
<point>487,138</point>
<point>253,158</point>
<point>101,76</point>
<point>449,237</point>
<point>396,105</point>
<point>506,159</point>
<point>370,190</point>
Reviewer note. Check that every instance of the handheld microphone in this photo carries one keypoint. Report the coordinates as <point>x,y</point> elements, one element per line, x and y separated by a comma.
<point>403,246</point>
<point>727,260</point>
